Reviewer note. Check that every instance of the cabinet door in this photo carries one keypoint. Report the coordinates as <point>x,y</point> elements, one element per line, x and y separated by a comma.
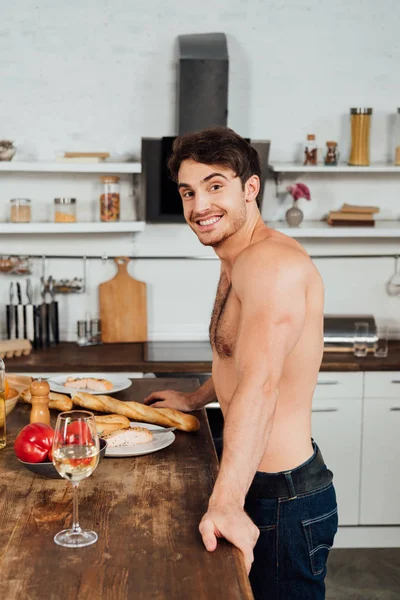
<point>380,485</point>
<point>336,384</point>
<point>336,428</point>
<point>379,384</point>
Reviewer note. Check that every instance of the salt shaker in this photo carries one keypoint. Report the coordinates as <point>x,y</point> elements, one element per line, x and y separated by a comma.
<point>40,402</point>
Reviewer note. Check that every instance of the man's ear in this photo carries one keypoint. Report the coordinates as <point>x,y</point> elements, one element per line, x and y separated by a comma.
<point>252,188</point>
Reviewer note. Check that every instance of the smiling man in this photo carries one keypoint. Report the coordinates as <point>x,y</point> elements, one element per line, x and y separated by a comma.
<point>273,498</point>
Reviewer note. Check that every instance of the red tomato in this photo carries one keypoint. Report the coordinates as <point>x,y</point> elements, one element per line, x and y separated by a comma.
<point>78,432</point>
<point>34,442</point>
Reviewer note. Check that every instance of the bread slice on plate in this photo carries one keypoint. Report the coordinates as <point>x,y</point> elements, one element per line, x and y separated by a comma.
<point>105,424</point>
<point>89,383</point>
<point>128,437</point>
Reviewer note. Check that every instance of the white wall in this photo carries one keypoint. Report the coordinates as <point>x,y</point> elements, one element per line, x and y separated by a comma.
<point>100,75</point>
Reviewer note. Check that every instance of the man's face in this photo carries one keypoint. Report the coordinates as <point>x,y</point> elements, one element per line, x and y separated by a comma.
<point>214,203</point>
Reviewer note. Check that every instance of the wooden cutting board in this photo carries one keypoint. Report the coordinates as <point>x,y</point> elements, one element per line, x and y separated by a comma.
<point>123,307</point>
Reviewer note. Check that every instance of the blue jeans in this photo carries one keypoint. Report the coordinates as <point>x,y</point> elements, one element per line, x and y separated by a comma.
<point>296,532</point>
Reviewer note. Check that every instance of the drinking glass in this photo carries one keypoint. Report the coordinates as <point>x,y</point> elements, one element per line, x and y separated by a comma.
<point>75,456</point>
<point>361,338</point>
<point>381,346</point>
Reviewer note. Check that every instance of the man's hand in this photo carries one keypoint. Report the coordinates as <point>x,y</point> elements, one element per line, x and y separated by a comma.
<point>231,523</point>
<point>171,399</point>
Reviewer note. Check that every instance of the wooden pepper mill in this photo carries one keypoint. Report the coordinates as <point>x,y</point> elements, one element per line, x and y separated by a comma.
<point>40,402</point>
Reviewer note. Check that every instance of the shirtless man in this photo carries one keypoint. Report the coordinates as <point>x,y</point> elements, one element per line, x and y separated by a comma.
<point>273,497</point>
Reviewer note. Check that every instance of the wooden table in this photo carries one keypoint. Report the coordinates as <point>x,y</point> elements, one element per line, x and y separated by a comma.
<point>146,511</point>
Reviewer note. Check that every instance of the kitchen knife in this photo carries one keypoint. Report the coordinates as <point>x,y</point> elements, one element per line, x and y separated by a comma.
<point>29,313</point>
<point>53,310</point>
<point>10,311</point>
<point>20,314</point>
<point>38,327</point>
<point>44,316</point>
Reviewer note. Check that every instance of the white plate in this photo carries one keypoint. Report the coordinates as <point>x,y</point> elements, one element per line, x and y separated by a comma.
<point>158,443</point>
<point>119,383</point>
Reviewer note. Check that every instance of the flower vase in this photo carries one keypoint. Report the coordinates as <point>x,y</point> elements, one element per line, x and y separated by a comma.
<point>294,216</point>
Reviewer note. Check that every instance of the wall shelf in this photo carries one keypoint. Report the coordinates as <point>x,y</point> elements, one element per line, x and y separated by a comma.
<point>321,229</point>
<point>341,168</point>
<point>63,167</point>
<point>55,228</point>
<point>308,229</point>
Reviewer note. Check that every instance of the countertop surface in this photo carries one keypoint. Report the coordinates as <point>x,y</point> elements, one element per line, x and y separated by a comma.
<point>168,357</point>
<point>146,511</point>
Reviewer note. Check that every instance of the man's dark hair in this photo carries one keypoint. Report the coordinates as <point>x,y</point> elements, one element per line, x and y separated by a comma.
<point>216,146</point>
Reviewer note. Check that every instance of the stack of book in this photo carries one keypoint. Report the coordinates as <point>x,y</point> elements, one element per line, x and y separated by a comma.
<point>83,157</point>
<point>353,216</point>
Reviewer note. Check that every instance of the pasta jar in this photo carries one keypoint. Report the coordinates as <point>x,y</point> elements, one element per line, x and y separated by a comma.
<point>20,210</point>
<point>360,128</point>
<point>65,210</point>
<point>110,198</point>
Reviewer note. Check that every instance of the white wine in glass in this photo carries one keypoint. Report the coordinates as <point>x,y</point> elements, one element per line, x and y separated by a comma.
<point>75,456</point>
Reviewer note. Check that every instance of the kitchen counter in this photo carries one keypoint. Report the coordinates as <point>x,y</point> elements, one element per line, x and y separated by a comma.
<point>168,357</point>
<point>146,511</point>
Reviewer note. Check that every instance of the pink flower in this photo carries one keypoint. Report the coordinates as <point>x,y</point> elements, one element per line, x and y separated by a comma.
<point>299,190</point>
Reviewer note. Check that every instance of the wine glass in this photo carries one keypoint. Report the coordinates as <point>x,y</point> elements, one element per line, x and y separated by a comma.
<point>75,456</point>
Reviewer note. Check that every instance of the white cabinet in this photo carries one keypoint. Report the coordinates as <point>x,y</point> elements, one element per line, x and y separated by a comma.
<point>382,384</point>
<point>380,485</point>
<point>339,385</point>
<point>336,428</point>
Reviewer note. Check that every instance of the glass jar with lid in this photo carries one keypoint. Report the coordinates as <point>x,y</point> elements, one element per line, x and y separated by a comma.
<point>20,210</point>
<point>65,210</point>
<point>110,198</point>
<point>360,131</point>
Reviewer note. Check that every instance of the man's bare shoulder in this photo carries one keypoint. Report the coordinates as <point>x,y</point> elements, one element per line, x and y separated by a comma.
<point>274,259</point>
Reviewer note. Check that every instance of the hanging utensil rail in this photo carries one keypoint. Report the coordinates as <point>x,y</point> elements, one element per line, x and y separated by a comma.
<point>194,257</point>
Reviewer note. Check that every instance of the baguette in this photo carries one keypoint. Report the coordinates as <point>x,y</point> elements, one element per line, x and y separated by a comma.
<point>91,402</point>
<point>105,424</point>
<point>57,401</point>
<point>166,417</point>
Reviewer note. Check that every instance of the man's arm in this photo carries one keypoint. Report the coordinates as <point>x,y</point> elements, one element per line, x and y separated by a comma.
<point>204,394</point>
<point>272,292</point>
<point>183,401</point>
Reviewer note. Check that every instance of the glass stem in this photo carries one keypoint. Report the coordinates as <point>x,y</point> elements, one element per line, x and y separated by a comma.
<point>76,528</point>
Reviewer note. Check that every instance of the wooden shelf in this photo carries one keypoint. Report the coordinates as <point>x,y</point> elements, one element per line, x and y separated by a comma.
<point>62,167</point>
<point>55,228</point>
<point>321,229</point>
<point>341,168</point>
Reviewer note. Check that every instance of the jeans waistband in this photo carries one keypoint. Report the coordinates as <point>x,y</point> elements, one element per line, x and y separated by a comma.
<point>308,477</point>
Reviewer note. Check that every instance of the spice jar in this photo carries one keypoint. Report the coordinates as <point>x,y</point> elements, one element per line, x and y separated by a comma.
<point>332,154</point>
<point>360,129</point>
<point>310,151</point>
<point>20,210</point>
<point>65,210</point>
<point>397,139</point>
<point>110,198</point>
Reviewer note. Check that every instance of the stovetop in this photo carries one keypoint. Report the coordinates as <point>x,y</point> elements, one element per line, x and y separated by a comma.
<point>178,352</point>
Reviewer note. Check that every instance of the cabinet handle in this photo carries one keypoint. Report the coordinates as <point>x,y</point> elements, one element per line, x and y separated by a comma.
<point>325,409</point>
<point>395,381</point>
<point>393,408</point>
<point>329,382</point>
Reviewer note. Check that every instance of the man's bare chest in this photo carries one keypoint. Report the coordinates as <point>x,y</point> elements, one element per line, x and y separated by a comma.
<point>224,320</point>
